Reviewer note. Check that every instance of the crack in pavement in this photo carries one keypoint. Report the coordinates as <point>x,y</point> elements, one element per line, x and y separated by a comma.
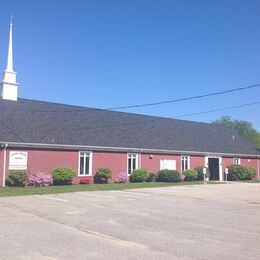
<point>122,242</point>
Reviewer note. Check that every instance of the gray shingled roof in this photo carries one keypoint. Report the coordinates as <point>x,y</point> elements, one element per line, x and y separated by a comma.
<point>29,121</point>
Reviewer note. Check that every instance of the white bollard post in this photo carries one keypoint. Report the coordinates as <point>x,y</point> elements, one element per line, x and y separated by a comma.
<point>204,174</point>
<point>226,173</point>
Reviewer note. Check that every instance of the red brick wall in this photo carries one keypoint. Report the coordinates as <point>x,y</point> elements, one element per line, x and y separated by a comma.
<point>196,161</point>
<point>46,160</point>
<point>116,161</point>
<point>153,164</point>
<point>43,160</point>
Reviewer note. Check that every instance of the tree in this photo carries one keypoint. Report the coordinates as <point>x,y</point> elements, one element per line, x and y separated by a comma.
<point>244,128</point>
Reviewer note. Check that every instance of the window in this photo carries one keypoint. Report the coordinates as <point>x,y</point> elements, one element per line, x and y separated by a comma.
<point>236,161</point>
<point>132,162</point>
<point>85,164</point>
<point>185,163</point>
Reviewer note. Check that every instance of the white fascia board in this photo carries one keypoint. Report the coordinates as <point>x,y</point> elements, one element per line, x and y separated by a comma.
<point>120,149</point>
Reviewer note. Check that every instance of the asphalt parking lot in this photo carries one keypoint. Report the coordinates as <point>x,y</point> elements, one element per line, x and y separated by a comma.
<point>187,222</point>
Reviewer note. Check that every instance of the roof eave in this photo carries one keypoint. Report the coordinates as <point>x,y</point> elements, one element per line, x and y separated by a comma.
<point>121,149</point>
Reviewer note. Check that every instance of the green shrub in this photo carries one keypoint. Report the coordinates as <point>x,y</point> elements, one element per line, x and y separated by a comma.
<point>62,176</point>
<point>102,175</point>
<point>152,177</point>
<point>238,172</point>
<point>16,179</point>
<point>168,176</point>
<point>190,175</point>
<point>139,175</point>
<point>200,172</point>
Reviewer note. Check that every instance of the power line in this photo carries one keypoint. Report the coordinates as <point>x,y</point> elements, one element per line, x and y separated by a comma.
<point>81,109</point>
<point>217,110</point>
<point>185,98</point>
<point>173,117</point>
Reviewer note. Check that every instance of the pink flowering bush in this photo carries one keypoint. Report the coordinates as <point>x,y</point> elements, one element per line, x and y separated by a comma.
<point>40,179</point>
<point>122,177</point>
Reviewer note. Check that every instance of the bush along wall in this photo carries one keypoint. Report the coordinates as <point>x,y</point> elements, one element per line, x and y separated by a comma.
<point>200,172</point>
<point>168,176</point>
<point>122,177</point>
<point>16,179</point>
<point>62,176</point>
<point>40,179</point>
<point>190,175</point>
<point>152,177</point>
<point>238,172</point>
<point>139,175</point>
<point>103,175</point>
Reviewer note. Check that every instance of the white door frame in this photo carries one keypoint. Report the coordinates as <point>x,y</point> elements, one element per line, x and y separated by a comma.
<point>219,166</point>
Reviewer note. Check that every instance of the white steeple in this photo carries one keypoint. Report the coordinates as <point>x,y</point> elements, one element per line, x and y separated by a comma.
<point>10,50</point>
<point>9,84</point>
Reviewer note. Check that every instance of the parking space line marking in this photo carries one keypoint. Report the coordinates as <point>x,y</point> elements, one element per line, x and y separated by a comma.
<point>100,196</point>
<point>52,198</point>
<point>137,192</point>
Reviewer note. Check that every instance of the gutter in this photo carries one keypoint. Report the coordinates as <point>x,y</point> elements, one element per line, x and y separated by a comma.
<point>4,166</point>
<point>121,149</point>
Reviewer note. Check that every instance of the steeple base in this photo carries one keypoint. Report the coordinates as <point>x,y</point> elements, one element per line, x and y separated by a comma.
<point>9,91</point>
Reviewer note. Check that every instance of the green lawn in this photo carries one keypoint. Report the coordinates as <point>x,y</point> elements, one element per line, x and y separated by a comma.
<point>8,191</point>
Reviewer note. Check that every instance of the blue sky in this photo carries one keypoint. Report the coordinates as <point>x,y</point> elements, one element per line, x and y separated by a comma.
<point>112,53</point>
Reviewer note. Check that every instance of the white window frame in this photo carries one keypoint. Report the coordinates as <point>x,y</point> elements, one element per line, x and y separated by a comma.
<point>136,162</point>
<point>188,162</point>
<point>238,160</point>
<point>90,155</point>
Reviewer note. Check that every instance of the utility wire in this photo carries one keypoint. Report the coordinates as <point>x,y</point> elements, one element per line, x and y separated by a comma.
<point>186,98</point>
<point>81,109</point>
<point>219,109</point>
<point>165,118</point>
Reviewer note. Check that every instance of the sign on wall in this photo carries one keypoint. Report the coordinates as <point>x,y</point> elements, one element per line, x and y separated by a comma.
<point>17,160</point>
<point>167,164</point>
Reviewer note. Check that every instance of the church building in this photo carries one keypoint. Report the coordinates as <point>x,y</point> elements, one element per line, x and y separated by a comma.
<point>38,136</point>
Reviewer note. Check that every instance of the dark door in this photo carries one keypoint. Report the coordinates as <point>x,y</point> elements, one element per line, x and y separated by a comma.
<point>214,169</point>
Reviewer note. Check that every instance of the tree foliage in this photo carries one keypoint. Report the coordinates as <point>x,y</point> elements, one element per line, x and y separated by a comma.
<point>244,128</point>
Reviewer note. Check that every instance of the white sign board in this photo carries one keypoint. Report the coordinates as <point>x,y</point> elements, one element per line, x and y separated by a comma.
<point>167,164</point>
<point>17,160</point>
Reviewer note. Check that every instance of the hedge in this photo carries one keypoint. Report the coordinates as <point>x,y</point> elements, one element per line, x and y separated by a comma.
<point>238,172</point>
<point>168,176</point>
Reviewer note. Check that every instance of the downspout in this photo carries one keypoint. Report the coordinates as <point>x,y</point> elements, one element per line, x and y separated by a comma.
<point>4,166</point>
<point>258,173</point>
<point>140,160</point>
